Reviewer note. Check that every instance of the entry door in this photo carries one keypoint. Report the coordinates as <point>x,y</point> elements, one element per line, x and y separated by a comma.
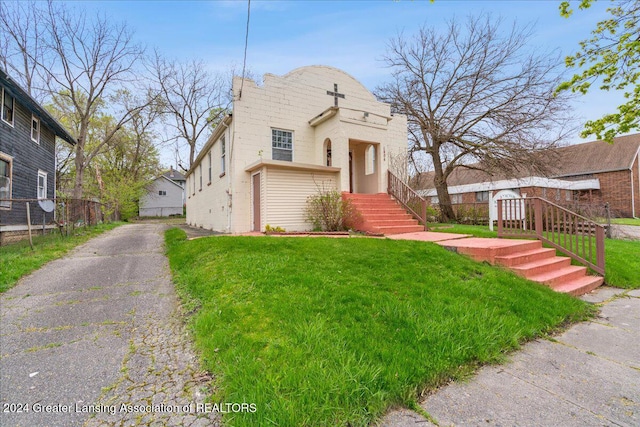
<point>256,202</point>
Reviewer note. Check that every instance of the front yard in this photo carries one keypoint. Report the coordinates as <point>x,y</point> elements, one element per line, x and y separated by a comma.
<point>324,332</point>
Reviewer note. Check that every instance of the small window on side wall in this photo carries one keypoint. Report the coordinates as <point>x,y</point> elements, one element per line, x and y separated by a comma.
<point>5,183</point>
<point>42,185</point>
<point>7,107</point>
<point>162,193</point>
<point>35,129</point>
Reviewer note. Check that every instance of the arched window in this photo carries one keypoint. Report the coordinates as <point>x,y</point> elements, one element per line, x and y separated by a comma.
<point>327,152</point>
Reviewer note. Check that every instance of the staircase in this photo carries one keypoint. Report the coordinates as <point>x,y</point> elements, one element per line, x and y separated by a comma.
<point>529,259</point>
<point>379,213</point>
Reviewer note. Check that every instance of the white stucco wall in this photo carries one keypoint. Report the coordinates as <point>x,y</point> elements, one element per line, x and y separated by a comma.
<point>289,103</point>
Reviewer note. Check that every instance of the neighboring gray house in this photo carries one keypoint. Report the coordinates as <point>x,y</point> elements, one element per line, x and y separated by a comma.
<point>164,197</point>
<point>179,179</point>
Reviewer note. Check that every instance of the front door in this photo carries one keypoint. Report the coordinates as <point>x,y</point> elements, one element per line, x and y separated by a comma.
<point>256,202</point>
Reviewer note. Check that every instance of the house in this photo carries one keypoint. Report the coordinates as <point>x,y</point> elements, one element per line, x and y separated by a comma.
<point>164,196</point>
<point>583,176</point>
<point>27,159</point>
<point>311,130</point>
<point>179,179</point>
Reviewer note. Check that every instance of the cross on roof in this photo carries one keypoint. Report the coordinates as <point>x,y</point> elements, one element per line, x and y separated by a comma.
<point>335,94</point>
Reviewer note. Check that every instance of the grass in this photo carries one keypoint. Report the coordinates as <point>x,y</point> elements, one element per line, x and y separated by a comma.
<point>622,257</point>
<point>18,259</point>
<point>324,332</point>
<point>626,221</point>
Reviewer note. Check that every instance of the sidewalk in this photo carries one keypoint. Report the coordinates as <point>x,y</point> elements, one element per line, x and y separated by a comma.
<point>587,376</point>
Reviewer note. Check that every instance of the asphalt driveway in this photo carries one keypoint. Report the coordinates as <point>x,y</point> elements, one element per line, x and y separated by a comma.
<point>97,338</point>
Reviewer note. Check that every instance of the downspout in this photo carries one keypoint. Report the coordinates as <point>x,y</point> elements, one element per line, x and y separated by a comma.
<point>230,169</point>
<point>633,196</point>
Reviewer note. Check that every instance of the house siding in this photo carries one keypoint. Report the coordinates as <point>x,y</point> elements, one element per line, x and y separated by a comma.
<point>28,157</point>
<point>153,204</point>
<point>285,197</point>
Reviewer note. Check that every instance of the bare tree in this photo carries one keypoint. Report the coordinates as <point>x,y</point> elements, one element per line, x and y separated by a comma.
<point>90,60</point>
<point>22,43</point>
<point>193,99</point>
<point>474,97</point>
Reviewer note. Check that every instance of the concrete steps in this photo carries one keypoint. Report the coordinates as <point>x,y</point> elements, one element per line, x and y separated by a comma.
<point>529,259</point>
<point>379,213</point>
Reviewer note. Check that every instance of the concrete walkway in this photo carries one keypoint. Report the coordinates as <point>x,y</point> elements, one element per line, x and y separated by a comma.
<point>97,330</point>
<point>587,376</point>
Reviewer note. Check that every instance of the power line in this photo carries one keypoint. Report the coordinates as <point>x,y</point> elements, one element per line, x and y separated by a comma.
<point>246,43</point>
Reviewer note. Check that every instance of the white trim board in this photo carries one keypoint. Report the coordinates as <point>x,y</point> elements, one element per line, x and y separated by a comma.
<point>532,181</point>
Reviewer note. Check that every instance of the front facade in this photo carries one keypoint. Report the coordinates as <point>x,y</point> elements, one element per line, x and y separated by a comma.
<point>585,177</point>
<point>163,197</point>
<point>27,158</point>
<point>314,129</point>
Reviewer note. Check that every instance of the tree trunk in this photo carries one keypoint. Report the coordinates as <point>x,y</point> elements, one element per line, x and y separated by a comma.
<point>440,182</point>
<point>79,162</point>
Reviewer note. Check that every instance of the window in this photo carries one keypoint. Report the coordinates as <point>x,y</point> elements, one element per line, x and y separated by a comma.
<point>370,159</point>
<point>282,145</point>
<point>5,183</point>
<point>223,155</point>
<point>434,200</point>
<point>200,175</point>
<point>209,156</point>
<point>456,199</point>
<point>162,193</point>
<point>35,129</point>
<point>42,185</point>
<point>568,195</point>
<point>482,196</point>
<point>7,107</point>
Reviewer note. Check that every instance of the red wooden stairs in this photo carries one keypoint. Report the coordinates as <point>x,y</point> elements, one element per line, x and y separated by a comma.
<point>529,259</point>
<point>379,213</point>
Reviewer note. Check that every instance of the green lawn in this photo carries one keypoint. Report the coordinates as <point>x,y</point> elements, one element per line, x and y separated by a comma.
<point>18,260</point>
<point>622,257</point>
<point>326,332</point>
<point>626,221</point>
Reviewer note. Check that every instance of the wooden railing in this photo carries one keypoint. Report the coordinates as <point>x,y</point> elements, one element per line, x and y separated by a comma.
<point>408,198</point>
<point>568,232</point>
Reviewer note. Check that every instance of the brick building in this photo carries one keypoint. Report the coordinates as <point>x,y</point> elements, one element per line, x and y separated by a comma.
<point>582,175</point>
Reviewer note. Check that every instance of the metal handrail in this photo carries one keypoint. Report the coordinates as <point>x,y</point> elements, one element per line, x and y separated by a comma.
<point>576,236</point>
<point>407,197</point>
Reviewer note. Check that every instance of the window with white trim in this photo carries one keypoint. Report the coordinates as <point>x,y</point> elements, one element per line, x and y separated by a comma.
<point>5,183</point>
<point>282,145</point>
<point>7,107</point>
<point>200,175</point>
<point>209,157</point>
<point>42,185</point>
<point>223,156</point>
<point>456,199</point>
<point>370,160</point>
<point>35,129</point>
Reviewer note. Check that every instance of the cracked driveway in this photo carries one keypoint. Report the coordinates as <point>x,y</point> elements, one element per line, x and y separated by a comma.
<point>96,338</point>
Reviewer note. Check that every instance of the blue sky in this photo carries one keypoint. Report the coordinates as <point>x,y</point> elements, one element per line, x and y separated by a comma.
<point>351,35</point>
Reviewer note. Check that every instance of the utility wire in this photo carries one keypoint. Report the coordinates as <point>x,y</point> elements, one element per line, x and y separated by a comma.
<point>246,43</point>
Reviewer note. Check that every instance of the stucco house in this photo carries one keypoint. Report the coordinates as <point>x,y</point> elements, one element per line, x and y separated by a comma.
<point>27,158</point>
<point>582,175</point>
<point>164,196</point>
<point>315,128</point>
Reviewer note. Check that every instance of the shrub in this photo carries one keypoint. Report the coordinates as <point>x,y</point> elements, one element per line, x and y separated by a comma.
<point>328,211</point>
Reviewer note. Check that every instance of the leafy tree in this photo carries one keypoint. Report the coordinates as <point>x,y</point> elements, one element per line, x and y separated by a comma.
<point>474,95</point>
<point>612,57</point>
